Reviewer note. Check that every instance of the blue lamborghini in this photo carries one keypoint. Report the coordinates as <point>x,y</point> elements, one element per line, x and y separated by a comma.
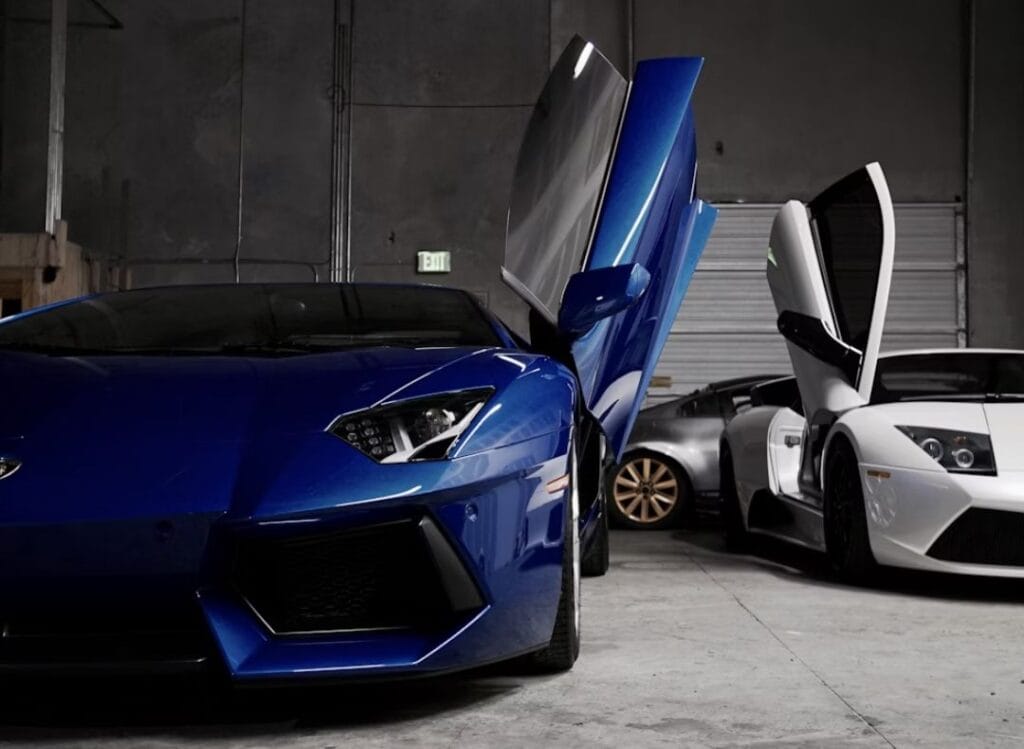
<point>295,481</point>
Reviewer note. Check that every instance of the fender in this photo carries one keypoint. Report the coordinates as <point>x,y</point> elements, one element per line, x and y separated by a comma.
<point>747,438</point>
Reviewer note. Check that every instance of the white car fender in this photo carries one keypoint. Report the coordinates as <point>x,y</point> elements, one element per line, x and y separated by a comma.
<point>747,437</point>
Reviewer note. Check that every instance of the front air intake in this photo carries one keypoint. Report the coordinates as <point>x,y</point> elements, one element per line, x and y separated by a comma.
<point>981,536</point>
<point>401,575</point>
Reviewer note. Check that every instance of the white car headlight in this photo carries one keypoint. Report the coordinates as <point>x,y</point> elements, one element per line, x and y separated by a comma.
<point>957,452</point>
<point>418,429</point>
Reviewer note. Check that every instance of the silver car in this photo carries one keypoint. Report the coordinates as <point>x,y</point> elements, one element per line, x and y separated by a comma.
<point>670,466</point>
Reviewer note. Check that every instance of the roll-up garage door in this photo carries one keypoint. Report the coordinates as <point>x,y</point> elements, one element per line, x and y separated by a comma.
<point>726,327</point>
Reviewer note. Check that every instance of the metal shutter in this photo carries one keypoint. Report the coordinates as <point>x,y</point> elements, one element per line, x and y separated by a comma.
<point>726,327</point>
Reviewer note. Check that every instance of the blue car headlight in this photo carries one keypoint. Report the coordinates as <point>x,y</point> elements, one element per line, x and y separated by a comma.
<point>957,452</point>
<point>418,429</point>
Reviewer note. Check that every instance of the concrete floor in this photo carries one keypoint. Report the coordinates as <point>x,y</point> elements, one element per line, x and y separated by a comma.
<point>684,645</point>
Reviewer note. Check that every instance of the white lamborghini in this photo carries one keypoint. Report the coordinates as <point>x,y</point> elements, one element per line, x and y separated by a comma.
<point>911,460</point>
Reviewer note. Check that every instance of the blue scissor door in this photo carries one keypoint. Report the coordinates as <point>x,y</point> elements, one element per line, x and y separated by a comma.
<point>606,176</point>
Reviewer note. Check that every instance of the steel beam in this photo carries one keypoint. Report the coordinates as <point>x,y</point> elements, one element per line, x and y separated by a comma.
<point>55,145</point>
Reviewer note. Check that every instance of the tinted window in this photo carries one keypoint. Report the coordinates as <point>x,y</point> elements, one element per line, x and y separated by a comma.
<point>560,174</point>
<point>701,405</point>
<point>782,392</point>
<point>847,223</point>
<point>948,375</point>
<point>276,317</point>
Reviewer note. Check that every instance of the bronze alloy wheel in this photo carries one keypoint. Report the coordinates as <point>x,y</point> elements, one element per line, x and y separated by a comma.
<point>646,492</point>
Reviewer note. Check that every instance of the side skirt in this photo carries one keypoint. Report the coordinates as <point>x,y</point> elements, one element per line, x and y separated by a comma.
<point>787,518</point>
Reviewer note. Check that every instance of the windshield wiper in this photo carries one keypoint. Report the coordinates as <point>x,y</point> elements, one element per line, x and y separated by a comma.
<point>293,346</point>
<point>48,350</point>
<point>341,342</point>
<point>268,348</point>
<point>240,349</point>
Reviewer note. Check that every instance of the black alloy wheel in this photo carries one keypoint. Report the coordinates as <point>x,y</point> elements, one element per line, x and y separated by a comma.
<point>846,527</point>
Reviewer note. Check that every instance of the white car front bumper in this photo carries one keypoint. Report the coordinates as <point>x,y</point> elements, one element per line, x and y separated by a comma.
<point>944,522</point>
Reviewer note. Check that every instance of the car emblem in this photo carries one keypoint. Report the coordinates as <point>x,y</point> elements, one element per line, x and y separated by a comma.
<point>8,466</point>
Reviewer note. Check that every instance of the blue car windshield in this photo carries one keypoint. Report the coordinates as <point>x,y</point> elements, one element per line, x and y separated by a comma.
<point>950,376</point>
<point>251,319</point>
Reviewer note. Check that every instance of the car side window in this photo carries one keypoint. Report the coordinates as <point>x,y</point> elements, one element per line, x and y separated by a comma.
<point>700,406</point>
<point>782,392</point>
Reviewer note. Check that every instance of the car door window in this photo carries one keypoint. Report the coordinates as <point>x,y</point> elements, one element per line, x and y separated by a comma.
<point>560,174</point>
<point>846,221</point>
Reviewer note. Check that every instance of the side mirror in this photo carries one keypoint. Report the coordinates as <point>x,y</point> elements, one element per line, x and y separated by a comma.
<point>596,294</point>
<point>811,335</point>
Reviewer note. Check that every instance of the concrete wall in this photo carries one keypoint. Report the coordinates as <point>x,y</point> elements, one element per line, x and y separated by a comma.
<point>153,118</point>
<point>795,92</point>
<point>189,98</point>
<point>441,92</point>
<point>93,104</point>
<point>604,22</point>
<point>995,257</point>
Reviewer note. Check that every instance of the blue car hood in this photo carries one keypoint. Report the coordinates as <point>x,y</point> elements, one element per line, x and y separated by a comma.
<point>105,437</point>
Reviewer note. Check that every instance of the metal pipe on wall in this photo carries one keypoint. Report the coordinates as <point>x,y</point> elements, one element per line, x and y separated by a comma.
<point>963,309</point>
<point>347,143</point>
<point>241,144</point>
<point>338,149</point>
<point>55,141</point>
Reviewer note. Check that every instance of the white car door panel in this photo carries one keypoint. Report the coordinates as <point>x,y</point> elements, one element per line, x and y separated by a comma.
<point>785,439</point>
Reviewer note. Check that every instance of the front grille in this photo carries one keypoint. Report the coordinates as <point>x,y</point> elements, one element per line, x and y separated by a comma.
<point>982,536</point>
<point>379,577</point>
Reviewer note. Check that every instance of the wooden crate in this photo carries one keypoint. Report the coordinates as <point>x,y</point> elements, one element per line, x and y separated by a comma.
<point>38,269</point>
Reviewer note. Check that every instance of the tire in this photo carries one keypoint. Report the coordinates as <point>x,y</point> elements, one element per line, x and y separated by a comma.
<point>736,536</point>
<point>648,492</point>
<point>564,647</point>
<point>846,526</point>
<point>597,559</point>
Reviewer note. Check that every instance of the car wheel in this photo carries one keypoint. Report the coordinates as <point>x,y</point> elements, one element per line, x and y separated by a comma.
<point>597,558</point>
<point>564,647</point>
<point>736,536</point>
<point>648,492</point>
<point>846,526</point>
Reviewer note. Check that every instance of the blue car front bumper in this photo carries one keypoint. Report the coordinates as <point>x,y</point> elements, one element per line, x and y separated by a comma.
<point>436,581</point>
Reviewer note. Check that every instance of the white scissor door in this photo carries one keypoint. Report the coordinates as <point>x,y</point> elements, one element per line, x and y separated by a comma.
<point>831,261</point>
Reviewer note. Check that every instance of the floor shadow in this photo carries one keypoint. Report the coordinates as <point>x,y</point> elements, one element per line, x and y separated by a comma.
<point>207,707</point>
<point>799,563</point>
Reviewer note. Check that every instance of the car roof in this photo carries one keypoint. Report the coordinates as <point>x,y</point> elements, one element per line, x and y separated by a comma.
<point>299,284</point>
<point>722,385</point>
<point>945,351</point>
<point>736,382</point>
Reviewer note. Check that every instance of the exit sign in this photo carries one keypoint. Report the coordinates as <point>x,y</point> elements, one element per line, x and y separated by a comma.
<point>433,261</point>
